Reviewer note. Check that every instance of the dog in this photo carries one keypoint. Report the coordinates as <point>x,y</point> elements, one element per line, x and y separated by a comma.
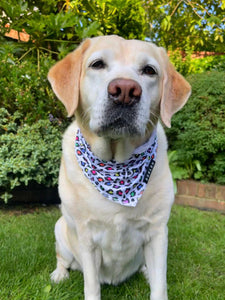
<point>115,184</point>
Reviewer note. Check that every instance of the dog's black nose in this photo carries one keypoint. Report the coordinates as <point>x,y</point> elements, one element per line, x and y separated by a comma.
<point>124,91</point>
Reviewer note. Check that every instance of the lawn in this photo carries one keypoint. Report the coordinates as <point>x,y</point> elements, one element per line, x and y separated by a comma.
<point>196,259</point>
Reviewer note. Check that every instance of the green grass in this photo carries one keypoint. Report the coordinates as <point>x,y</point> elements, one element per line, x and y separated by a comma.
<point>196,259</point>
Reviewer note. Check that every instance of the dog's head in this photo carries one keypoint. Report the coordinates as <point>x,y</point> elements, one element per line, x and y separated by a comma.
<point>119,87</point>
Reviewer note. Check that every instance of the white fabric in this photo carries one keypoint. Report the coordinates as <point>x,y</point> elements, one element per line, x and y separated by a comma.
<point>122,183</point>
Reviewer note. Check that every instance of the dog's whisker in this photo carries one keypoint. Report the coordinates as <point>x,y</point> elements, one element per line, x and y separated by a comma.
<point>154,114</point>
<point>85,116</point>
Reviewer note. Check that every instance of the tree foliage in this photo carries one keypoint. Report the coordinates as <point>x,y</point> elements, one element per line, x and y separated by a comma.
<point>55,26</point>
<point>126,18</point>
<point>186,24</point>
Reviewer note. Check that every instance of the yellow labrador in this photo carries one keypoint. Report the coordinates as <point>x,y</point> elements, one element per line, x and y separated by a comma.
<point>115,184</point>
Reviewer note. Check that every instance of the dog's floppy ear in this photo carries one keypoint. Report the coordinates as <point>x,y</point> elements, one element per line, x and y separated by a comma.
<point>176,91</point>
<point>64,77</point>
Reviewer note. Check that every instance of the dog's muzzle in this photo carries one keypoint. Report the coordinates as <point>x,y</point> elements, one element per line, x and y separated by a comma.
<point>121,110</point>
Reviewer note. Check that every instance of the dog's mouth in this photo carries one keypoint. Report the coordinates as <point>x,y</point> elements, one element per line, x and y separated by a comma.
<point>119,128</point>
<point>119,122</point>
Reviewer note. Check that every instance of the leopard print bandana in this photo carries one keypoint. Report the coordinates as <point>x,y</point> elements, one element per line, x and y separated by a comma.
<point>123,183</point>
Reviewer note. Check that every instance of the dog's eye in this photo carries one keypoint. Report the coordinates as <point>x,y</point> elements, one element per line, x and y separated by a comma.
<point>97,64</point>
<point>148,70</point>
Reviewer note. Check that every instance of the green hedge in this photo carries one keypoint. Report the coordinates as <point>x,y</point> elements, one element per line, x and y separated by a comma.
<point>24,89</point>
<point>189,65</point>
<point>197,135</point>
<point>28,153</point>
<point>209,63</point>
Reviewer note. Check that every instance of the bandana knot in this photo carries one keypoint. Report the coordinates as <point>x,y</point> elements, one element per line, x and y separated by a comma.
<point>123,183</point>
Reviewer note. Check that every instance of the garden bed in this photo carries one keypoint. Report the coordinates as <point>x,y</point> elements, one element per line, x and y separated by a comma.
<point>204,196</point>
<point>34,195</point>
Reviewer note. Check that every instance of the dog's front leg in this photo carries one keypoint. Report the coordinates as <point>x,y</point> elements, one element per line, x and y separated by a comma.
<point>156,262</point>
<point>90,266</point>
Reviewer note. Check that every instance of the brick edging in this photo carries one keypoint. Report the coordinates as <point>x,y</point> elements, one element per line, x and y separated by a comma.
<point>205,196</point>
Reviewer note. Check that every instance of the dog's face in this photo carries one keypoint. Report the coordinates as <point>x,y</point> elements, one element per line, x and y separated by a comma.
<point>119,87</point>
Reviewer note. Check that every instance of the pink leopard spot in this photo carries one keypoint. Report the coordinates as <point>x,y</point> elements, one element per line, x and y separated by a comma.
<point>125,201</point>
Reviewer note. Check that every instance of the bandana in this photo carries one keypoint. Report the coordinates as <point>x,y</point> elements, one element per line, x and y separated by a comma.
<point>123,183</point>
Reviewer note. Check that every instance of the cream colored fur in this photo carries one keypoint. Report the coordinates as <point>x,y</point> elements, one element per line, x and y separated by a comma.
<point>106,241</point>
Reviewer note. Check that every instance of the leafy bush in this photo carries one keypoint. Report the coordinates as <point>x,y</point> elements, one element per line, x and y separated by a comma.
<point>209,63</point>
<point>183,65</point>
<point>198,130</point>
<point>24,89</point>
<point>28,153</point>
<point>188,65</point>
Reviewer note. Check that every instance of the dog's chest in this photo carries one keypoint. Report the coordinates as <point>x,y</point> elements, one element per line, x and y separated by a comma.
<point>119,240</point>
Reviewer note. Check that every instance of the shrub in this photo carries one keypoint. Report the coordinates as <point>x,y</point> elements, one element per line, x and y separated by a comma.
<point>187,65</point>
<point>28,153</point>
<point>24,89</point>
<point>209,63</point>
<point>183,65</point>
<point>198,130</point>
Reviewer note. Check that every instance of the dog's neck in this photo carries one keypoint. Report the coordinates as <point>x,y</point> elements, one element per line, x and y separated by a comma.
<point>118,149</point>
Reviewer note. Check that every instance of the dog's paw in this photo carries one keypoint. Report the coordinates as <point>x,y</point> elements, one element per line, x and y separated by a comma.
<point>59,275</point>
